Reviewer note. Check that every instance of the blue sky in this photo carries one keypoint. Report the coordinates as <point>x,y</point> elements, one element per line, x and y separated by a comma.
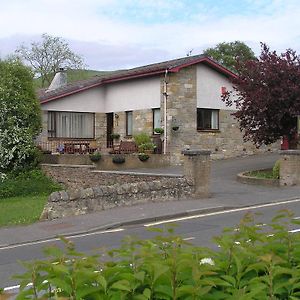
<point>114,34</point>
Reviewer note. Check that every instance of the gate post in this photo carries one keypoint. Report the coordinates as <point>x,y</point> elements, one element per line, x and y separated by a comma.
<point>197,168</point>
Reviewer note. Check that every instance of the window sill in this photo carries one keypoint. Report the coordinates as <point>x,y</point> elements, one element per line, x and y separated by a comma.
<point>209,130</point>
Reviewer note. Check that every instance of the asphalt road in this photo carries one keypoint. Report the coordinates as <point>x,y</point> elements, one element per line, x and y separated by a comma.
<point>199,230</point>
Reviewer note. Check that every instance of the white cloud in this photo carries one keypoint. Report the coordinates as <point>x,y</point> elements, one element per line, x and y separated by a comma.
<point>153,30</point>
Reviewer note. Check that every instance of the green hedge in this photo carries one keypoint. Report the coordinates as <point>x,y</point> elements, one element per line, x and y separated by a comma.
<point>253,262</point>
<point>29,183</point>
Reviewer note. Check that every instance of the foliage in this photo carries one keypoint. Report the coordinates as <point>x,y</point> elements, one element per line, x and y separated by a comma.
<point>118,159</point>
<point>96,156</point>
<point>159,130</point>
<point>142,138</point>
<point>143,156</point>
<point>115,136</point>
<point>228,54</point>
<point>263,174</point>
<point>47,56</point>
<point>146,147</point>
<point>276,170</point>
<point>267,96</point>
<point>28,183</point>
<point>253,262</point>
<point>20,117</point>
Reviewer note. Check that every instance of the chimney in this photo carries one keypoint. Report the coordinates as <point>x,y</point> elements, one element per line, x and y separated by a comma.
<point>59,80</point>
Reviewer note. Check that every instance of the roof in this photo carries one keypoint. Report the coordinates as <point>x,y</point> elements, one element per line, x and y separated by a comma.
<point>174,65</point>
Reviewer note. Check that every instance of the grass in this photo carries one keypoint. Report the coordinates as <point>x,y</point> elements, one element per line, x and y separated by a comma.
<point>21,210</point>
<point>23,197</point>
<point>263,174</point>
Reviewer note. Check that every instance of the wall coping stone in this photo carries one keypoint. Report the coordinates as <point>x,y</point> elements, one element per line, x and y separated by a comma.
<point>290,152</point>
<point>70,166</point>
<point>195,152</point>
<point>133,173</point>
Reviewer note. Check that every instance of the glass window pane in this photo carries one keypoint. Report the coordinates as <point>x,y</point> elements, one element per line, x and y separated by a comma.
<point>129,123</point>
<point>156,118</point>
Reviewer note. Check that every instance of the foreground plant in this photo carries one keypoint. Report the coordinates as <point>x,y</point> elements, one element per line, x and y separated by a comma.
<point>253,262</point>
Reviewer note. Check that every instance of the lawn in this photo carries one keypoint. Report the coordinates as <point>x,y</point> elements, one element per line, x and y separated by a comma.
<point>23,197</point>
<point>21,210</point>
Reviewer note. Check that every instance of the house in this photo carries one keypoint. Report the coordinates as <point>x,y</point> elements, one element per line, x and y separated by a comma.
<point>183,96</point>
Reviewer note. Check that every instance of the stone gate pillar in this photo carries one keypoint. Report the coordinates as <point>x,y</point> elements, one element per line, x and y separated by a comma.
<point>197,167</point>
<point>289,167</point>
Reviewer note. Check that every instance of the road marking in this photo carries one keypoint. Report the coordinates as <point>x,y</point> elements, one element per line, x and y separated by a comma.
<point>221,212</point>
<point>58,239</point>
<point>189,238</point>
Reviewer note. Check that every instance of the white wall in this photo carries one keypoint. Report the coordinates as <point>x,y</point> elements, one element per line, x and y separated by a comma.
<point>91,100</point>
<point>120,96</point>
<point>133,94</point>
<point>209,83</point>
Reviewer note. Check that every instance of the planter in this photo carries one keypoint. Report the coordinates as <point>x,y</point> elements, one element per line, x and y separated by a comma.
<point>143,156</point>
<point>118,159</point>
<point>96,156</point>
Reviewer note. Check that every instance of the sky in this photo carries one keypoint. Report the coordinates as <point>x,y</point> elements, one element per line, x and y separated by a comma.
<point>118,34</point>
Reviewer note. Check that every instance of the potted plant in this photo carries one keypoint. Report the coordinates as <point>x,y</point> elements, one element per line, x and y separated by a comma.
<point>146,147</point>
<point>115,136</point>
<point>118,159</point>
<point>143,156</point>
<point>96,156</point>
<point>159,130</point>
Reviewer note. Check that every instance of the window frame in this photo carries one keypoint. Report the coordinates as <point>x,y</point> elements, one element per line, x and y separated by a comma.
<point>129,112</point>
<point>206,129</point>
<point>153,119</point>
<point>53,128</point>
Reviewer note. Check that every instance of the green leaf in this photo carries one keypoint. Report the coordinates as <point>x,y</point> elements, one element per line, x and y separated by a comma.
<point>123,285</point>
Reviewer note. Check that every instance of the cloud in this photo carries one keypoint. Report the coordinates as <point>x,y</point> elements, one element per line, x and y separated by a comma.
<point>121,33</point>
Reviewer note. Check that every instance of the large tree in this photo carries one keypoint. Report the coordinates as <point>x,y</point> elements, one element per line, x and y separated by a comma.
<point>20,117</point>
<point>228,54</point>
<point>267,96</point>
<point>48,56</point>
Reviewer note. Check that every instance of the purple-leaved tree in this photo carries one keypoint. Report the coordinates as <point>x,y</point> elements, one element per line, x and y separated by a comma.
<point>267,96</point>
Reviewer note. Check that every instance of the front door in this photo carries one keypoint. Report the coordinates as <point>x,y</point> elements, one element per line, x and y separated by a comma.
<point>109,130</point>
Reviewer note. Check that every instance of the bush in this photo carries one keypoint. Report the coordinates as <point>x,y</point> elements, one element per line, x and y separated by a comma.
<point>28,183</point>
<point>252,263</point>
<point>96,156</point>
<point>143,156</point>
<point>118,159</point>
<point>142,138</point>
<point>276,170</point>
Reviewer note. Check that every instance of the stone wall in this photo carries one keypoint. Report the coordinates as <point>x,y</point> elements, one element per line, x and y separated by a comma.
<point>82,201</point>
<point>75,177</point>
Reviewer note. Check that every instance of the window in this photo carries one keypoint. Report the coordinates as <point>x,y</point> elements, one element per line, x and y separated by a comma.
<point>71,125</point>
<point>207,119</point>
<point>129,123</point>
<point>156,118</point>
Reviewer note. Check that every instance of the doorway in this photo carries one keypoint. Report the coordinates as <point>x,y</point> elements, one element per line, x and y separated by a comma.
<point>109,129</point>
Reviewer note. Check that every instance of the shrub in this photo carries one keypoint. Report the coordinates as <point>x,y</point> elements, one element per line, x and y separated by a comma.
<point>143,156</point>
<point>118,159</point>
<point>252,263</point>
<point>142,138</point>
<point>27,183</point>
<point>276,169</point>
<point>96,156</point>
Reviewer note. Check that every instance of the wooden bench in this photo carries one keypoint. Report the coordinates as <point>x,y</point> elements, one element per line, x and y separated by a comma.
<point>125,147</point>
<point>78,147</point>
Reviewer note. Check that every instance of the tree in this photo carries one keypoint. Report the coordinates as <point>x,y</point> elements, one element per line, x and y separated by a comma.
<point>20,117</point>
<point>267,96</point>
<point>48,56</point>
<point>228,54</point>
